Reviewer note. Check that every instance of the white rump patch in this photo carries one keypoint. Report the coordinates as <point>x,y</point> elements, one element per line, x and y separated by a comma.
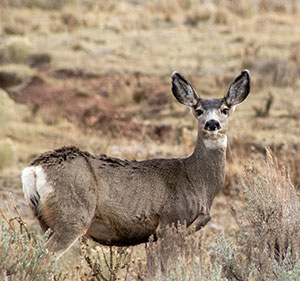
<point>216,143</point>
<point>35,184</point>
<point>43,187</point>
<point>29,182</point>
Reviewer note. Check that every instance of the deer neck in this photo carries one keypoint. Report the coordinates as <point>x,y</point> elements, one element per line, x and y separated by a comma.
<point>206,167</point>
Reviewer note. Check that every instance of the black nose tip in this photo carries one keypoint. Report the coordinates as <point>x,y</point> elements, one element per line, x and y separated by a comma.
<point>212,125</point>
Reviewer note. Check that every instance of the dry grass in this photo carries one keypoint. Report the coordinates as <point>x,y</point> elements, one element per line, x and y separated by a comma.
<point>6,154</point>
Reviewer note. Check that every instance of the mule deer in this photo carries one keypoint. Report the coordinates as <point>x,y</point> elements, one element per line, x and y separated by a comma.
<point>122,203</point>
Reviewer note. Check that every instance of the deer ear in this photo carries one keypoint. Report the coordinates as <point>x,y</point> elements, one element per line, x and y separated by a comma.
<point>239,89</point>
<point>183,91</point>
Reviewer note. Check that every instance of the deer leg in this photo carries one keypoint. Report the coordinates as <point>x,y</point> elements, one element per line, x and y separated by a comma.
<point>60,242</point>
<point>67,228</point>
<point>68,221</point>
<point>198,223</point>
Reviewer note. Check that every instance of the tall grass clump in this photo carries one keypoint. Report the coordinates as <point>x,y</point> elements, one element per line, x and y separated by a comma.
<point>165,256</point>
<point>180,256</point>
<point>105,263</point>
<point>268,239</point>
<point>22,255</point>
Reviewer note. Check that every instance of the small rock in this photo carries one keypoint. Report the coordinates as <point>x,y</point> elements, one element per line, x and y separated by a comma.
<point>37,60</point>
<point>9,79</point>
<point>13,30</point>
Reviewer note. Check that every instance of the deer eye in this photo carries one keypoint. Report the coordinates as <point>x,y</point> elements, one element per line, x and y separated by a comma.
<point>199,111</point>
<point>225,111</point>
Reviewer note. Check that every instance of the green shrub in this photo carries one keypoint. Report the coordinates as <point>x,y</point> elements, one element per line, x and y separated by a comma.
<point>22,255</point>
<point>267,242</point>
<point>15,50</point>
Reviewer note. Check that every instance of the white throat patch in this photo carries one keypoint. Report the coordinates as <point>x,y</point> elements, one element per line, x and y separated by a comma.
<point>216,143</point>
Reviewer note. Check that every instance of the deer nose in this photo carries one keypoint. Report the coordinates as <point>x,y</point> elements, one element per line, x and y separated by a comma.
<point>212,125</point>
